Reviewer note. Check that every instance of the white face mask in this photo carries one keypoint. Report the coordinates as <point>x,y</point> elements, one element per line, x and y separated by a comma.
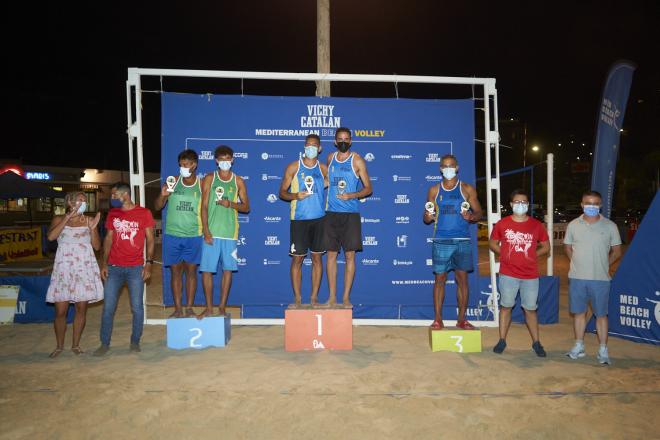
<point>185,172</point>
<point>448,173</point>
<point>82,208</point>
<point>520,208</point>
<point>224,165</point>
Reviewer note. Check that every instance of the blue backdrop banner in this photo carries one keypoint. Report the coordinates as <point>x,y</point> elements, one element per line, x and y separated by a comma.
<point>401,141</point>
<point>608,131</point>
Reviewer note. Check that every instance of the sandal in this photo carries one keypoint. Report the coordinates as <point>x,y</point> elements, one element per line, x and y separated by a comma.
<point>55,353</point>
<point>77,350</point>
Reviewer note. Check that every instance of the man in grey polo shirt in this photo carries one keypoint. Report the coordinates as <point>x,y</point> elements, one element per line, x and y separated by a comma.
<point>592,243</point>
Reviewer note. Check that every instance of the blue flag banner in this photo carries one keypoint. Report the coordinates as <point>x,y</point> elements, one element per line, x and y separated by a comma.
<point>634,308</point>
<point>610,122</point>
<point>401,141</point>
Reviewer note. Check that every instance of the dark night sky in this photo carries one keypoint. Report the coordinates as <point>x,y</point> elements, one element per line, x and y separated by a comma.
<point>65,65</point>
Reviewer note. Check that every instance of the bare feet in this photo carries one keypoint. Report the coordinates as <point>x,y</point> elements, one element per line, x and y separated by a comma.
<point>178,313</point>
<point>221,311</point>
<point>77,350</point>
<point>190,312</point>
<point>205,314</point>
<point>314,302</point>
<point>346,304</point>
<point>294,306</point>
<point>55,353</point>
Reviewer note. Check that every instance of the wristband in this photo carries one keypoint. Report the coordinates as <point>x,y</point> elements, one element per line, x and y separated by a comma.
<point>149,262</point>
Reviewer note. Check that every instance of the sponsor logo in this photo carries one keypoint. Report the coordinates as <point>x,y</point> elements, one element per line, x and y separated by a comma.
<point>402,199</point>
<point>269,177</point>
<point>241,241</point>
<point>321,116</point>
<point>240,155</point>
<point>307,261</point>
<point>370,261</point>
<point>397,178</point>
<point>272,198</point>
<point>429,262</point>
<point>373,178</point>
<point>369,240</point>
<point>401,156</point>
<point>402,220</point>
<point>272,240</point>
<point>369,220</point>
<point>266,156</point>
<point>272,219</point>
<point>369,157</point>
<point>402,262</point>
<point>430,178</point>
<point>402,241</point>
<point>268,262</point>
<point>205,155</point>
<point>433,157</point>
<point>636,315</point>
<point>370,199</point>
<point>242,218</point>
<point>245,177</point>
<point>241,261</point>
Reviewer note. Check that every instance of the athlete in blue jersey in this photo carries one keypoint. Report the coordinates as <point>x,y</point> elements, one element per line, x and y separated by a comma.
<point>342,224</point>
<point>452,247</point>
<point>303,185</point>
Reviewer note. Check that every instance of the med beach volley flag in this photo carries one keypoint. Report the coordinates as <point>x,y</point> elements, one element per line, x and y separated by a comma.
<point>610,122</point>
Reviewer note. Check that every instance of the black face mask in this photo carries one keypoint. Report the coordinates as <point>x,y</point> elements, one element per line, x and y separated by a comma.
<point>343,146</point>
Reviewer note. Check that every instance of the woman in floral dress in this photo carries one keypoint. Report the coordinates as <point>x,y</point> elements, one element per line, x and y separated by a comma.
<point>76,278</point>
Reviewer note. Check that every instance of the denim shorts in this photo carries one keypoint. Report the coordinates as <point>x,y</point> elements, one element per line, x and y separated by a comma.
<point>509,287</point>
<point>580,292</point>
<point>452,254</point>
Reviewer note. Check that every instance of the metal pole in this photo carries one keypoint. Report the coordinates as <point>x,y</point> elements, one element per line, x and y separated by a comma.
<point>323,45</point>
<point>551,212</point>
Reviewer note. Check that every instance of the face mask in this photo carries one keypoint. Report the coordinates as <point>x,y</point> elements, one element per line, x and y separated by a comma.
<point>224,165</point>
<point>591,210</point>
<point>343,146</point>
<point>116,203</point>
<point>449,173</point>
<point>311,152</point>
<point>520,209</point>
<point>82,208</point>
<point>185,172</point>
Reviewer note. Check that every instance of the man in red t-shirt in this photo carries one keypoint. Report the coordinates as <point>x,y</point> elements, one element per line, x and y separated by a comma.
<point>128,227</point>
<point>514,239</point>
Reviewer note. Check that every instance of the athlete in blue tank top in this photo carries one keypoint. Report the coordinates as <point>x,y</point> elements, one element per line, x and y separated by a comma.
<point>303,185</point>
<point>451,206</point>
<point>342,225</point>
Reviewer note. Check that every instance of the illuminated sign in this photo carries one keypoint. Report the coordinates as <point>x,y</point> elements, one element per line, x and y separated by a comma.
<point>37,176</point>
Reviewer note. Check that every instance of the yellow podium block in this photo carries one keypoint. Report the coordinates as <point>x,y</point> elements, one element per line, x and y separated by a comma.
<point>458,341</point>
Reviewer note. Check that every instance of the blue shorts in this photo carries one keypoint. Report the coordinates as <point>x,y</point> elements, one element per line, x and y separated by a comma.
<point>452,254</point>
<point>580,292</point>
<point>509,287</point>
<point>222,253</point>
<point>180,249</point>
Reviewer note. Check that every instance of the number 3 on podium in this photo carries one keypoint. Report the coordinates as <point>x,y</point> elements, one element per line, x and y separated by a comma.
<point>459,339</point>
<point>194,339</point>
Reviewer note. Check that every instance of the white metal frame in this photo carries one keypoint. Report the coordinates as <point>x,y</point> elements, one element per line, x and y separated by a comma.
<point>491,149</point>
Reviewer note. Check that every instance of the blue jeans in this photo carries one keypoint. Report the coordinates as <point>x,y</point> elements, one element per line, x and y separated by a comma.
<point>117,276</point>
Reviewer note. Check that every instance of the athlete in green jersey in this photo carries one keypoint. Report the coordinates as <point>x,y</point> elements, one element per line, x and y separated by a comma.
<point>223,195</point>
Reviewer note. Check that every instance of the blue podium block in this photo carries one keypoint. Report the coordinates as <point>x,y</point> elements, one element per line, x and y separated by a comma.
<point>196,333</point>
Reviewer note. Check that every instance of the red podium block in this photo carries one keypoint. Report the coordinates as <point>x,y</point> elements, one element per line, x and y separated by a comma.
<point>318,329</point>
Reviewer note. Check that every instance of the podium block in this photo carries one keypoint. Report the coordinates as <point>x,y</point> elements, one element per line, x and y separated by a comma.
<point>196,333</point>
<point>459,341</point>
<point>318,329</point>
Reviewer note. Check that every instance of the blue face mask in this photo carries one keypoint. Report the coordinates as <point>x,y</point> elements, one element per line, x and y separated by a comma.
<point>116,203</point>
<point>591,210</point>
<point>520,208</point>
<point>311,152</point>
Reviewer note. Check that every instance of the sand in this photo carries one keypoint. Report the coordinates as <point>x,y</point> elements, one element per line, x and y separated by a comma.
<point>389,386</point>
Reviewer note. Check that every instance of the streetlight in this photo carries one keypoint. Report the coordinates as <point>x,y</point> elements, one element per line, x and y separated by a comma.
<point>535,148</point>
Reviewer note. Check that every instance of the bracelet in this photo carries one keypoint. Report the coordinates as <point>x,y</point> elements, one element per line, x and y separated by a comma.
<point>149,262</point>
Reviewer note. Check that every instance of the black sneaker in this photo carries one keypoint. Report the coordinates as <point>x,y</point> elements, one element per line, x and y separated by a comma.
<point>538,349</point>
<point>499,348</point>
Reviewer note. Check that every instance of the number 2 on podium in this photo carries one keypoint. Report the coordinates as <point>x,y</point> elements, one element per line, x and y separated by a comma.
<point>319,325</point>
<point>196,337</point>
<point>459,339</point>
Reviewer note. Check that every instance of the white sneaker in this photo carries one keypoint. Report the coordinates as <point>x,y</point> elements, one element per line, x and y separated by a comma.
<point>603,356</point>
<point>576,352</point>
